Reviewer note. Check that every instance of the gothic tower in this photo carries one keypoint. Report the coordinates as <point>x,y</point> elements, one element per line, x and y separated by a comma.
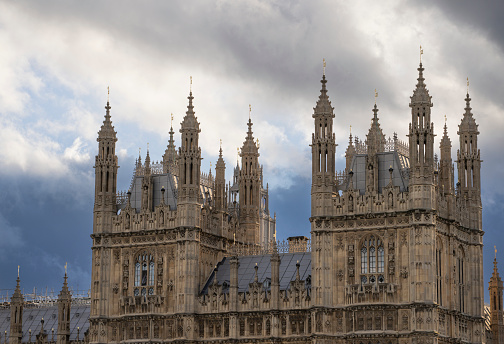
<point>250,188</point>
<point>469,164</point>
<point>188,211</point>
<point>16,317</point>
<point>323,154</point>
<point>105,176</point>
<point>323,186</point>
<point>104,209</point>
<point>421,148</point>
<point>496,313</point>
<point>64,304</point>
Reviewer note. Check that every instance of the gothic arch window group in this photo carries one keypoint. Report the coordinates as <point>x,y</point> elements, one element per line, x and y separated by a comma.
<point>460,254</point>
<point>144,274</point>
<point>372,259</point>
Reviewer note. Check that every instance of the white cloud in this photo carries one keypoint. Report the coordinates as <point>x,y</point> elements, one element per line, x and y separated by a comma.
<point>77,152</point>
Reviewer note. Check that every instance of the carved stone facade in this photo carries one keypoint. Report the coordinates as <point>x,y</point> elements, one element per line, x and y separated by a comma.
<point>395,254</point>
<point>396,250</point>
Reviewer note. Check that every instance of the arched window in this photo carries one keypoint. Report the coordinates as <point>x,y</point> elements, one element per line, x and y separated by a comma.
<point>439,275</point>
<point>460,269</point>
<point>372,260</point>
<point>144,274</point>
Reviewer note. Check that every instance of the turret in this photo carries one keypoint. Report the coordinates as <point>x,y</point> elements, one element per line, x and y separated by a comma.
<point>495,288</point>
<point>189,212</point>
<point>375,139</point>
<point>16,317</point>
<point>323,154</point>
<point>445,164</point>
<point>220,183</point>
<point>64,305</point>
<point>469,165</point>
<point>375,142</point>
<point>170,155</point>
<point>421,147</point>
<point>105,176</point>
<point>250,188</point>
<point>189,157</point>
<point>349,153</point>
<point>147,186</point>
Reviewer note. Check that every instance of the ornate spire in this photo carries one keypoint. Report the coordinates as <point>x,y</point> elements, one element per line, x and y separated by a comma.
<point>445,140</point>
<point>147,157</point>
<point>495,274</point>
<point>190,121</point>
<point>107,129</point>
<point>249,145</point>
<point>421,93</point>
<point>468,122</point>
<point>64,293</point>
<point>323,106</point>
<point>375,138</point>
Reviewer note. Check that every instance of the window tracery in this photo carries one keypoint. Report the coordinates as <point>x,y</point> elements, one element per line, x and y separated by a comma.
<point>372,260</point>
<point>144,274</point>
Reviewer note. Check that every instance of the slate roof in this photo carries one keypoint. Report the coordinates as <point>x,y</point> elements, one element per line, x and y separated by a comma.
<point>246,271</point>
<point>79,317</point>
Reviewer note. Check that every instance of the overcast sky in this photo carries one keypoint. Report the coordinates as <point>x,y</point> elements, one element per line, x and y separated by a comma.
<point>58,57</point>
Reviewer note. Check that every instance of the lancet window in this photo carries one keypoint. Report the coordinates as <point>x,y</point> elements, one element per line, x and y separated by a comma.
<point>144,274</point>
<point>372,260</point>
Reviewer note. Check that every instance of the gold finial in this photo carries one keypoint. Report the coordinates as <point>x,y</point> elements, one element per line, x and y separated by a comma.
<point>250,110</point>
<point>467,85</point>
<point>18,271</point>
<point>139,151</point>
<point>421,53</point>
<point>190,83</point>
<point>495,248</point>
<point>445,119</point>
<point>234,238</point>
<point>324,65</point>
<point>66,267</point>
<point>171,123</point>
<point>350,129</point>
<point>257,142</point>
<point>220,143</point>
<point>210,165</point>
<point>237,154</point>
<point>108,94</point>
<point>375,95</point>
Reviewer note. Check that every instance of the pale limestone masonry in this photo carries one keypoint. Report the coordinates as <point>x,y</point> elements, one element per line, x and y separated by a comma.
<point>395,254</point>
<point>396,248</point>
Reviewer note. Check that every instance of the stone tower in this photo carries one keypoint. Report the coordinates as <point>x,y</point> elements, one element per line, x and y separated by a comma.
<point>323,186</point>
<point>189,210</point>
<point>469,164</point>
<point>104,209</point>
<point>495,289</point>
<point>323,154</point>
<point>421,147</point>
<point>250,188</point>
<point>64,305</point>
<point>16,317</point>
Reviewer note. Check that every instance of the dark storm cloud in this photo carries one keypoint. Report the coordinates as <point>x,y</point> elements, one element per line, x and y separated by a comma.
<point>483,17</point>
